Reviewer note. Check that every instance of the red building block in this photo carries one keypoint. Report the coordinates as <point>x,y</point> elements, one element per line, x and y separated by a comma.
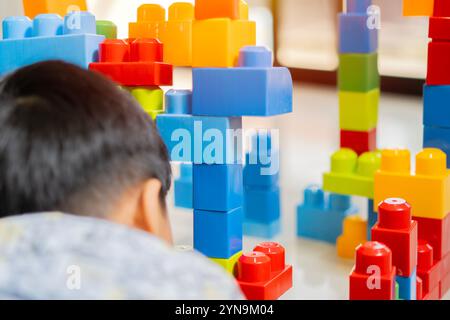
<point>438,63</point>
<point>373,277</point>
<point>419,289</point>
<point>359,141</point>
<point>441,8</point>
<point>445,266</point>
<point>439,28</point>
<point>134,63</point>
<point>263,274</point>
<point>444,286</point>
<point>433,295</point>
<point>437,233</point>
<point>427,270</point>
<point>397,230</point>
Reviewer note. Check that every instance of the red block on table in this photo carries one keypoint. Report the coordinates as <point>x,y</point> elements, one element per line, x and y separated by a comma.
<point>263,274</point>
<point>134,63</point>
<point>396,229</point>
<point>211,9</point>
<point>359,141</point>
<point>437,233</point>
<point>438,63</point>
<point>427,270</point>
<point>441,8</point>
<point>373,263</point>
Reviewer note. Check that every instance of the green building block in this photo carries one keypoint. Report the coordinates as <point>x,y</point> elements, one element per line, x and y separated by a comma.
<point>358,72</point>
<point>107,29</point>
<point>351,175</point>
<point>358,111</point>
<point>150,98</point>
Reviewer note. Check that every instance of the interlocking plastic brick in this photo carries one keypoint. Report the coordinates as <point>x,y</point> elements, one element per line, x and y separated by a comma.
<point>47,37</point>
<point>134,64</point>
<point>437,233</point>
<point>372,218</point>
<point>106,28</point>
<point>427,269</point>
<point>358,111</point>
<point>354,34</point>
<point>150,23</point>
<point>218,187</point>
<point>207,9</point>
<point>359,141</point>
<point>263,273</point>
<point>441,8</point>
<point>438,64</point>
<point>439,28</point>
<point>262,204</point>
<point>418,7</point>
<point>245,91</point>
<point>32,8</point>
<point>358,6</point>
<point>358,72</point>
<point>407,286</point>
<point>179,101</point>
<point>354,233</point>
<point>229,264</point>
<point>150,98</point>
<point>427,190</point>
<point>321,215</point>
<point>438,137</point>
<point>351,175</point>
<point>184,187</point>
<point>436,113</point>
<point>218,234</point>
<point>369,256</point>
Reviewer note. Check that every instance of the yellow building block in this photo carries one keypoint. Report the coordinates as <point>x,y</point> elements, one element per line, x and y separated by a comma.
<point>177,36</point>
<point>216,42</point>
<point>243,10</point>
<point>354,233</point>
<point>358,111</point>
<point>351,175</point>
<point>34,7</point>
<point>150,98</point>
<point>151,22</point>
<point>427,190</point>
<point>418,7</point>
<point>228,264</point>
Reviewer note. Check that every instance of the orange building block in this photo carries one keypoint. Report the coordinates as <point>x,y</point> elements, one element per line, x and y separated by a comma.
<point>354,233</point>
<point>216,42</point>
<point>427,190</point>
<point>418,7</point>
<point>177,36</point>
<point>207,9</point>
<point>34,7</point>
<point>150,23</point>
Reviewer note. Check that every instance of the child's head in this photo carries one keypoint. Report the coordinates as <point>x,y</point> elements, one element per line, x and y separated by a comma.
<point>72,141</point>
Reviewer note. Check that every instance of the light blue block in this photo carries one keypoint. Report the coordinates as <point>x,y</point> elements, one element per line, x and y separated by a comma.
<point>255,57</point>
<point>218,187</point>
<point>439,138</point>
<point>407,286</point>
<point>372,219</point>
<point>46,40</point>
<point>262,230</point>
<point>321,216</point>
<point>179,102</point>
<point>358,6</point>
<point>184,187</point>
<point>218,234</point>
<point>436,112</point>
<point>262,205</point>
<point>355,36</point>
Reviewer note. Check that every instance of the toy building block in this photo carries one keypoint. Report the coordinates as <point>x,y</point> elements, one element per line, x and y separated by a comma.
<point>355,36</point>
<point>418,7</point>
<point>438,64</point>
<point>262,204</point>
<point>407,286</point>
<point>359,141</point>
<point>445,265</point>
<point>264,230</point>
<point>132,64</point>
<point>256,89</point>
<point>229,264</point>
<point>179,101</point>
<point>216,42</point>
<point>441,8</point>
<point>321,216</point>
<point>184,187</point>
<point>47,37</point>
<point>427,269</point>
<point>439,28</point>
<point>150,98</point>
<point>351,175</point>
<point>354,233</point>
<point>207,9</point>
<point>419,289</point>
<point>263,273</point>
<point>397,230</point>
<point>373,277</point>
<point>218,234</point>
<point>177,36</point>
<point>444,287</point>
<point>107,29</point>
<point>358,111</point>
<point>437,234</point>
<point>150,23</point>
<point>32,8</point>
<point>358,6</point>
<point>439,138</point>
<point>372,219</point>
<point>435,113</point>
<point>217,187</point>
<point>358,72</point>
<point>427,190</point>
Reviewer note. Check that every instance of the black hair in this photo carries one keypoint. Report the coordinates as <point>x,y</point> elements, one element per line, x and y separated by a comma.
<point>72,141</point>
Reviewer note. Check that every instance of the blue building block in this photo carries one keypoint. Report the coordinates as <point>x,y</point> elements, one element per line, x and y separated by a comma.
<point>358,6</point>
<point>262,205</point>
<point>355,36</point>
<point>254,90</point>
<point>407,286</point>
<point>435,137</point>
<point>436,112</point>
<point>218,187</point>
<point>179,101</point>
<point>372,219</point>
<point>218,234</point>
<point>184,187</point>
<point>321,216</point>
<point>47,38</point>
<point>199,139</point>
<point>262,230</point>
